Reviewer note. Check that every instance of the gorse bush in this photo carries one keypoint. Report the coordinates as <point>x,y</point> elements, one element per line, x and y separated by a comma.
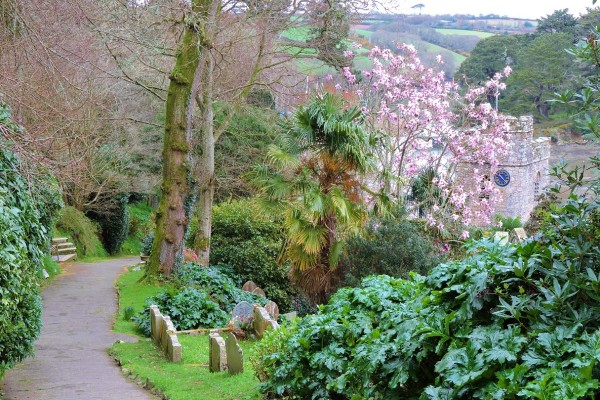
<point>250,242</point>
<point>390,246</point>
<point>83,232</point>
<point>508,322</point>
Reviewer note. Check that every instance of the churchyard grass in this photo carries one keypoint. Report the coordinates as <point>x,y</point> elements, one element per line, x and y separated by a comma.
<point>144,362</point>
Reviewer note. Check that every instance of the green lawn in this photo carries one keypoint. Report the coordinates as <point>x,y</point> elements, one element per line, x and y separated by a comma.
<point>189,379</point>
<point>132,293</point>
<point>465,32</point>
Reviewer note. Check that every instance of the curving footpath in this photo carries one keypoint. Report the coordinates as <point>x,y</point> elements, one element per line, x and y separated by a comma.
<point>70,360</point>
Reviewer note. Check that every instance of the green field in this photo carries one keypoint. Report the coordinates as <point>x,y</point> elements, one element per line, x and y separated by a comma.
<point>362,32</point>
<point>433,48</point>
<point>465,32</point>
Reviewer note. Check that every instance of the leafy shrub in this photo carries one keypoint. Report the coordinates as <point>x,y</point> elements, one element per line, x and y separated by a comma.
<point>507,322</point>
<point>250,241</point>
<point>23,239</point>
<point>114,223</point>
<point>211,296</point>
<point>189,308</point>
<point>82,231</point>
<point>541,213</point>
<point>220,287</point>
<point>391,246</point>
<point>128,313</point>
<point>140,219</point>
<point>147,243</point>
<point>508,223</point>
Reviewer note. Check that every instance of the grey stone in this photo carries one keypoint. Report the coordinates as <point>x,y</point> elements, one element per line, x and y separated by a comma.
<point>259,292</point>
<point>519,235</point>
<point>262,321</point>
<point>290,316</point>
<point>173,348</point>
<point>249,286</point>
<point>502,237</point>
<point>235,355</point>
<point>138,267</point>
<point>242,311</point>
<point>156,321</point>
<point>45,273</point>
<point>217,353</point>
<point>167,328</point>
<point>273,309</point>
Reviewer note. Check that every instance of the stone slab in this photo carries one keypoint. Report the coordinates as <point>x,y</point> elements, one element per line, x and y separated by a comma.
<point>273,309</point>
<point>217,353</point>
<point>259,292</point>
<point>249,286</point>
<point>235,355</point>
<point>242,311</point>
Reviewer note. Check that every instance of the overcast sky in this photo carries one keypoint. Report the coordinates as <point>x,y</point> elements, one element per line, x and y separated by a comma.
<point>533,9</point>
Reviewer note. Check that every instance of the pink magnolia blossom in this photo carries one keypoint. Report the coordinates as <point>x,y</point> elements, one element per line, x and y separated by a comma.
<point>429,124</point>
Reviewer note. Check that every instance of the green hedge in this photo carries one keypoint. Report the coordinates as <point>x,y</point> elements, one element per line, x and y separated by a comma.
<point>22,242</point>
<point>250,242</point>
<point>518,321</point>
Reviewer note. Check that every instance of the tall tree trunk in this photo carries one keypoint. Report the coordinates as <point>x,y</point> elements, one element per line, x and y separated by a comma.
<point>206,163</point>
<point>172,215</point>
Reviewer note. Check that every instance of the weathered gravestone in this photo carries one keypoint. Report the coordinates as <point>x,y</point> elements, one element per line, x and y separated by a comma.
<point>156,322</point>
<point>502,237</point>
<point>259,292</point>
<point>217,353</point>
<point>519,235</point>
<point>262,321</point>
<point>242,311</point>
<point>167,329</point>
<point>173,350</point>
<point>235,355</point>
<point>249,286</point>
<point>273,309</point>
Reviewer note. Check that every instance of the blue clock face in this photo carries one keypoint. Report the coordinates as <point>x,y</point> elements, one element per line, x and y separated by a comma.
<point>502,177</point>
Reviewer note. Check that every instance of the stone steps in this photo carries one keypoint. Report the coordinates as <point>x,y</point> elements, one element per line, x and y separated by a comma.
<point>62,250</point>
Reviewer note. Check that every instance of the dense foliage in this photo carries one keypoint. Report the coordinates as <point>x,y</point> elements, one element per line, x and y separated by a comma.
<point>388,246</point>
<point>114,223</point>
<point>23,240</point>
<point>507,322</point>
<point>84,233</point>
<point>202,298</point>
<point>250,242</point>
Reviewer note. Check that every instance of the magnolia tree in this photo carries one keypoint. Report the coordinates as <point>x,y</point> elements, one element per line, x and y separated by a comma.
<point>427,126</point>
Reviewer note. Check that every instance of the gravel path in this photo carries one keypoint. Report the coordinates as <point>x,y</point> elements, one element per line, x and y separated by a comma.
<point>70,360</point>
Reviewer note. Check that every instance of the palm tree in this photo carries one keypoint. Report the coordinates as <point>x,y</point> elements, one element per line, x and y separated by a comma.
<point>312,178</point>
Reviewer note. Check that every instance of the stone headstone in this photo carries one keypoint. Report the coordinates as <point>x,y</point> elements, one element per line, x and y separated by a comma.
<point>45,273</point>
<point>235,355</point>
<point>259,292</point>
<point>519,235</point>
<point>156,321</point>
<point>249,286</point>
<point>262,320</point>
<point>272,309</point>
<point>173,348</point>
<point>502,237</point>
<point>167,329</point>
<point>272,324</point>
<point>290,316</point>
<point>242,311</point>
<point>217,353</point>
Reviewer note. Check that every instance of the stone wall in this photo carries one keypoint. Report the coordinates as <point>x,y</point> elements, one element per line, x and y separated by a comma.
<point>527,164</point>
